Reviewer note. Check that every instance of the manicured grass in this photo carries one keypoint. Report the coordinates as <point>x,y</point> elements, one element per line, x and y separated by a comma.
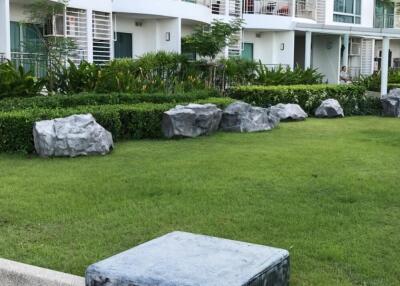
<point>327,190</point>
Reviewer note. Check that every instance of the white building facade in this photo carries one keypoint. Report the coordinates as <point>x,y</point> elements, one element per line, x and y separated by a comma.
<point>363,35</point>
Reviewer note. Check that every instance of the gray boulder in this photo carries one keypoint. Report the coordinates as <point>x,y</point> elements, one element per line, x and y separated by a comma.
<point>71,136</point>
<point>329,108</point>
<point>289,112</point>
<point>242,117</point>
<point>191,120</point>
<point>391,103</point>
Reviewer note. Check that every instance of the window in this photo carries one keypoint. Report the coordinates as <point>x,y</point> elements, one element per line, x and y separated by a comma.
<point>384,14</point>
<point>347,11</point>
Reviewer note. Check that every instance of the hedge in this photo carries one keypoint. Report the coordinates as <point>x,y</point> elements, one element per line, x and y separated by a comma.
<point>377,88</point>
<point>352,98</point>
<point>124,121</point>
<point>65,101</point>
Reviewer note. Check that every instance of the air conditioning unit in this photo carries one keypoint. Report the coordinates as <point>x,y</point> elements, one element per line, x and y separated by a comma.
<point>55,26</point>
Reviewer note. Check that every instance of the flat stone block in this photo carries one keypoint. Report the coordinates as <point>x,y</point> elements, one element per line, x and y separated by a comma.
<point>13,273</point>
<point>185,259</point>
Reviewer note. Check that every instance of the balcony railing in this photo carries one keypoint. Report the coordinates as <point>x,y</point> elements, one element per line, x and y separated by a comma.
<point>268,7</point>
<point>354,72</point>
<point>2,58</point>
<point>201,2</point>
<point>34,62</point>
<point>306,9</point>
<point>384,21</point>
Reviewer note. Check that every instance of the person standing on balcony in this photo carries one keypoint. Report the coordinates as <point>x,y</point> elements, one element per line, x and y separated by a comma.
<point>344,76</point>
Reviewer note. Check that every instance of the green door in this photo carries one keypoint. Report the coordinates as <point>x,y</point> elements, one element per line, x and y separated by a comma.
<point>247,52</point>
<point>15,37</point>
<point>123,46</point>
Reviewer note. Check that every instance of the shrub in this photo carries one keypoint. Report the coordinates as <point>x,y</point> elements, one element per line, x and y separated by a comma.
<point>123,121</point>
<point>309,97</point>
<point>59,101</point>
<point>286,76</point>
<point>166,72</point>
<point>373,82</point>
<point>172,73</point>
<point>15,82</point>
<point>77,78</point>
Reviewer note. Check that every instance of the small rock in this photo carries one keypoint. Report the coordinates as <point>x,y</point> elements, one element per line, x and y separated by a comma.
<point>242,117</point>
<point>329,108</point>
<point>391,103</point>
<point>289,112</point>
<point>71,136</point>
<point>191,120</point>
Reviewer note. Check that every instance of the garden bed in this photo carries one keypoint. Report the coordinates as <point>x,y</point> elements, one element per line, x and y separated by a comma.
<point>352,98</point>
<point>124,121</point>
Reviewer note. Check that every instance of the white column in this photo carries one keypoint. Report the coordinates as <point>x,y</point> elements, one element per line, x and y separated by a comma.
<point>294,8</point>
<point>345,60</point>
<point>179,36</point>
<point>89,35</point>
<point>112,17</point>
<point>5,37</point>
<point>227,3</point>
<point>385,65</point>
<point>307,55</point>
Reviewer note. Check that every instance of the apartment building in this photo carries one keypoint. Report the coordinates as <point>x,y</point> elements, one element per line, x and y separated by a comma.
<point>323,34</point>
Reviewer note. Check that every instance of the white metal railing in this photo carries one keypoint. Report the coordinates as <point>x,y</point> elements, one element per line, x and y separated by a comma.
<point>102,35</point>
<point>76,30</point>
<point>354,72</point>
<point>218,7</point>
<point>235,8</point>
<point>2,57</point>
<point>276,66</point>
<point>268,7</point>
<point>201,2</point>
<point>34,62</point>
<point>306,9</point>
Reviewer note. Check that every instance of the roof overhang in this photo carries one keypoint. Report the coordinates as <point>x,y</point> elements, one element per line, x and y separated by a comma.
<point>351,30</point>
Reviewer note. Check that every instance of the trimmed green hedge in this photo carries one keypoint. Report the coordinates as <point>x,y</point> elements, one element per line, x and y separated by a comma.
<point>352,97</point>
<point>65,101</point>
<point>123,121</point>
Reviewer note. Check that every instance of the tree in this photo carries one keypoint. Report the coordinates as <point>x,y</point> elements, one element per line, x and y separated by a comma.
<point>55,48</point>
<point>210,40</point>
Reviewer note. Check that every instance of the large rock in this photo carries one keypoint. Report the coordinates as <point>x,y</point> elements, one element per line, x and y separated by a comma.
<point>191,120</point>
<point>71,136</point>
<point>185,259</point>
<point>391,103</point>
<point>329,108</point>
<point>289,112</point>
<point>242,117</point>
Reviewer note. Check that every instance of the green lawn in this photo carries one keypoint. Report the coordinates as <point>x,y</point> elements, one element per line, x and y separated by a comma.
<point>327,190</point>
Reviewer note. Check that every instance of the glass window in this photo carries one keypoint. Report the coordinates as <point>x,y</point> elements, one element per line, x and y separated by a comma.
<point>347,11</point>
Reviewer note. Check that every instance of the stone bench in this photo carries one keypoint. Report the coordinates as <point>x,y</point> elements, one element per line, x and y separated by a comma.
<point>185,259</point>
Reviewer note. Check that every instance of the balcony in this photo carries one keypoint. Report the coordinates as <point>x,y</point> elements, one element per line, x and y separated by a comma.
<point>268,7</point>
<point>304,8</point>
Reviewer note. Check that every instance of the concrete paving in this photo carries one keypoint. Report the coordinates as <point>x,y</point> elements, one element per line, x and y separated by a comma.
<point>18,274</point>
